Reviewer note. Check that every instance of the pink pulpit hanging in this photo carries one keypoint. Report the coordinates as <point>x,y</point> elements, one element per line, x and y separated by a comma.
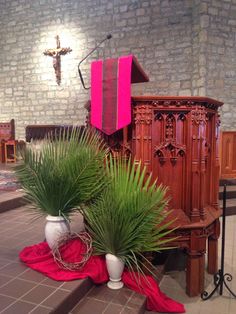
<point>111,92</point>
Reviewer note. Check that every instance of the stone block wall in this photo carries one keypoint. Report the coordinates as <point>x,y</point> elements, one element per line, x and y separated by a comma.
<point>221,57</point>
<point>187,47</point>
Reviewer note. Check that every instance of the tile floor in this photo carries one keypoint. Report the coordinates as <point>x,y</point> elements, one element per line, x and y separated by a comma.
<point>24,291</point>
<point>101,299</point>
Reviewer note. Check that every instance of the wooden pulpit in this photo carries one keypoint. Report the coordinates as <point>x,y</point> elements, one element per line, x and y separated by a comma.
<point>177,140</point>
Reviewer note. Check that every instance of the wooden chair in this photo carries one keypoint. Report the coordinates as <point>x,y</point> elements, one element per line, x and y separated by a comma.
<point>7,141</point>
<point>10,151</point>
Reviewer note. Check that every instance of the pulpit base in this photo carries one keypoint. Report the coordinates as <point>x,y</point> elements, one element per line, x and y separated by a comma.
<point>193,238</point>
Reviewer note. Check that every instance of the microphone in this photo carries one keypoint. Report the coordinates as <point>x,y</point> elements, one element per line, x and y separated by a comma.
<point>109,36</point>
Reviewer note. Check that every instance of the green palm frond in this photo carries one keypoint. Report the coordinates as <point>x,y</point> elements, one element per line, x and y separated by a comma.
<point>128,217</point>
<point>67,172</point>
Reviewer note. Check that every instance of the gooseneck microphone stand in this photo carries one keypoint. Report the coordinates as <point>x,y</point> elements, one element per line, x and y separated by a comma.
<point>109,36</point>
<point>220,278</point>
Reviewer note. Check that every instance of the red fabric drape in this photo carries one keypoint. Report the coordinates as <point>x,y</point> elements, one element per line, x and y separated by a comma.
<point>40,258</point>
<point>111,92</point>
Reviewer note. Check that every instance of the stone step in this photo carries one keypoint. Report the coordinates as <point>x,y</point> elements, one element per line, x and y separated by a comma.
<point>230,206</point>
<point>24,289</point>
<point>227,181</point>
<point>65,303</point>
<point>100,299</point>
<point>230,192</point>
<point>10,200</point>
<point>69,297</point>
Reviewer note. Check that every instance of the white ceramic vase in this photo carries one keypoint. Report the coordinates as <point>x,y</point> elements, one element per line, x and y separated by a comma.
<point>115,267</point>
<point>55,227</point>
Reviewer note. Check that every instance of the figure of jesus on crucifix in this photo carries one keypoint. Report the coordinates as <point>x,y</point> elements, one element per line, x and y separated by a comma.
<point>56,54</point>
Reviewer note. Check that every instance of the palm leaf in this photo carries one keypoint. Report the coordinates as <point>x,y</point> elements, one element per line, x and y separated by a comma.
<point>128,217</point>
<point>67,172</point>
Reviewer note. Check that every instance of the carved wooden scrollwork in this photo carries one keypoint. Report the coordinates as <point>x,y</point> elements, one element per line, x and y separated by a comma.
<point>198,115</point>
<point>184,236</point>
<point>172,102</point>
<point>183,103</point>
<point>218,121</point>
<point>182,116</point>
<point>170,121</point>
<point>117,149</point>
<point>169,150</point>
<point>142,115</point>
<point>158,116</point>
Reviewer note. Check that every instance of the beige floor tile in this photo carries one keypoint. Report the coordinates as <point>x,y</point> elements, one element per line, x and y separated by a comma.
<point>232,306</point>
<point>173,284</point>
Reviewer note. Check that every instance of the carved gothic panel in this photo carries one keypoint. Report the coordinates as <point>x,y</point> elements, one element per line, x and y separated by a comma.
<point>198,115</point>
<point>142,115</point>
<point>169,151</point>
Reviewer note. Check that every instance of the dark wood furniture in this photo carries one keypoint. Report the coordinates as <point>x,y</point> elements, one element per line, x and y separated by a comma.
<point>177,140</point>
<point>39,132</point>
<point>10,151</point>
<point>7,133</point>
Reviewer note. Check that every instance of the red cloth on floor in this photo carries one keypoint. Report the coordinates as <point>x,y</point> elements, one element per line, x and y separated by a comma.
<point>40,258</point>
<point>156,300</point>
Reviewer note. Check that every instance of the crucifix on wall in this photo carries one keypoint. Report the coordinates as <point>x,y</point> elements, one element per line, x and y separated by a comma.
<point>56,54</point>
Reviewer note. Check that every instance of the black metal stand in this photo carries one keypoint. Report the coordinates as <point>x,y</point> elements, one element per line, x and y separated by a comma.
<point>221,278</point>
<point>109,36</point>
